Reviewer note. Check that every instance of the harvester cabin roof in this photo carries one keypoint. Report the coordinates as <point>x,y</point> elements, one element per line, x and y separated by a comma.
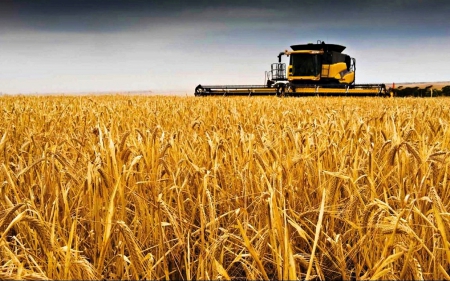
<point>318,47</point>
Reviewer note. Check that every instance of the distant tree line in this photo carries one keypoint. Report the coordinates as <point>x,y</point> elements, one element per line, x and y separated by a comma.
<point>421,92</point>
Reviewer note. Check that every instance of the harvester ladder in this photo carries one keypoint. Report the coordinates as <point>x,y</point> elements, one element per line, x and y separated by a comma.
<point>278,71</point>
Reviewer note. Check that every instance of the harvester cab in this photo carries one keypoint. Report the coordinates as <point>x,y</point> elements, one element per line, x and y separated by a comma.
<point>314,69</point>
<point>324,63</point>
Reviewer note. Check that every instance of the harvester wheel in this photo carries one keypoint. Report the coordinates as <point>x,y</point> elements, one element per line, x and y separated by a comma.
<point>281,91</point>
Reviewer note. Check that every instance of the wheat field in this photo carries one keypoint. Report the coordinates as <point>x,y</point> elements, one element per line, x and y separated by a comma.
<point>133,187</point>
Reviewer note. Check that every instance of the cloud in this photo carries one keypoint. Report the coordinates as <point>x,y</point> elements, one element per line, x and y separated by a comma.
<point>115,16</point>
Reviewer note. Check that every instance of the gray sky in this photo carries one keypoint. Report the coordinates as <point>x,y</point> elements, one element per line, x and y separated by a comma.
<point>87,46</point>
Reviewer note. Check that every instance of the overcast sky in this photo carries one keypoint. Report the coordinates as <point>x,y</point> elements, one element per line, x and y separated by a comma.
<point>88,46</point>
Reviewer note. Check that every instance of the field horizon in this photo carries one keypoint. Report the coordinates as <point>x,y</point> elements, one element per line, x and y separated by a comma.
<point>435,85</point>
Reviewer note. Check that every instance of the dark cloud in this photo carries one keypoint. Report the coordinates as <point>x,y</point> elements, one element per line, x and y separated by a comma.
<point>114,15</point>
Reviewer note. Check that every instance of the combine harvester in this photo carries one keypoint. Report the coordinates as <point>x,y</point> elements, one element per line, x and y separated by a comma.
<point>314,70</point>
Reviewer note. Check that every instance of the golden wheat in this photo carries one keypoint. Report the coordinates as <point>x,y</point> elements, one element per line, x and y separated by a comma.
<point>134,187</point>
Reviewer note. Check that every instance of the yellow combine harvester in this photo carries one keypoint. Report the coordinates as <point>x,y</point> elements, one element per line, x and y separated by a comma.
<point>314,69</point>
